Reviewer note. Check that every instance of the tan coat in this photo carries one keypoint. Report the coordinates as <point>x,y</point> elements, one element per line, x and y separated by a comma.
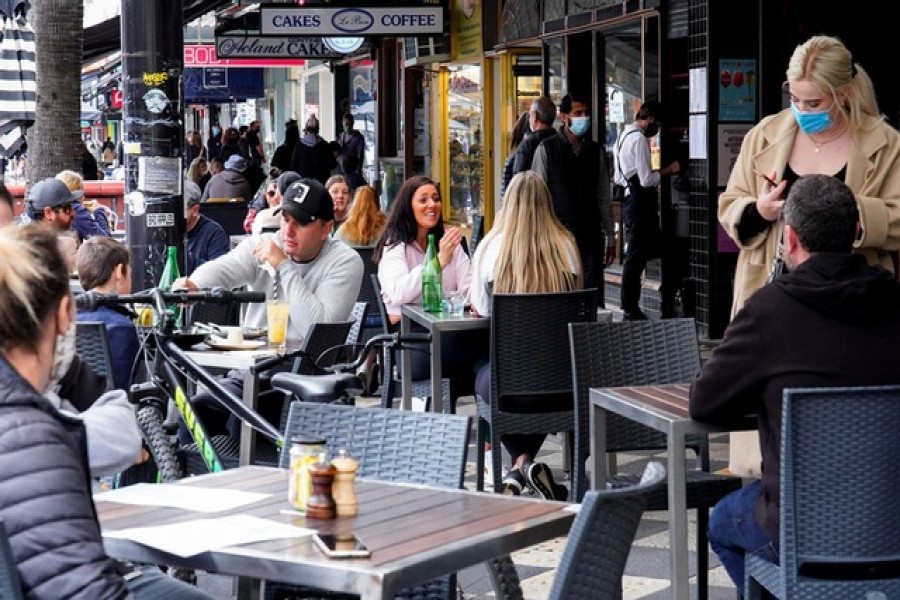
<point>873,173</point>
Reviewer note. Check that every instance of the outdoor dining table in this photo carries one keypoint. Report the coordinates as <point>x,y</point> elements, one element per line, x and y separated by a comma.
<point>663,408</point>
<point>436,324</point>
<point>415,533</point>
<point>209,357</point>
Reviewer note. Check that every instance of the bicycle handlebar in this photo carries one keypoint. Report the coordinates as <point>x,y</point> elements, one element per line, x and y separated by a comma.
<point>90,301</point>
<point>382,339</point>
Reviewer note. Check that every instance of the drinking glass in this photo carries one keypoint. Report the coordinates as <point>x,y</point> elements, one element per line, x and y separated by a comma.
<point>456,303</point>
<point>277,315</point>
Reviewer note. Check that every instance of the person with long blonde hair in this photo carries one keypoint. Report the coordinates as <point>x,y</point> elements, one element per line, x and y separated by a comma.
<point>528,251</point>
<point>365,221</point>
<point>91,218</point>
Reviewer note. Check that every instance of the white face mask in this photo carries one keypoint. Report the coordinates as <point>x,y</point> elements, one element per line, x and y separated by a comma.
<point>63,354</point>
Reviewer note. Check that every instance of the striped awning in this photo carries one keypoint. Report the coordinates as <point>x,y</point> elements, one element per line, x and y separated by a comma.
<point>17,75</point>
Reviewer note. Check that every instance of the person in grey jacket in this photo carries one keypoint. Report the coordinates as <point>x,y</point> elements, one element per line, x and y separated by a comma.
<point>318,276</point>
<point>45,496</point>
<point>229,182</point>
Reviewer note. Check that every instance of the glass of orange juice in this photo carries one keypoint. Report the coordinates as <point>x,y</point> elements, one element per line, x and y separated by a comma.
<point>277,315</point>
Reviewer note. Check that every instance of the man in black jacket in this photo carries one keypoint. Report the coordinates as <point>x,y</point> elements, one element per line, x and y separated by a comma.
<point>832,320</point>
<point>540,121</point>
<point>574,168</point>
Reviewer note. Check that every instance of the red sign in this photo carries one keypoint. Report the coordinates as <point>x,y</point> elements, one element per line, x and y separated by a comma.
<point>116,98</point>
<point>204,55</point>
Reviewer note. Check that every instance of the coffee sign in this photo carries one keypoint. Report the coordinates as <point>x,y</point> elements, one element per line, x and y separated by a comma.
<point>257,46</point>
<point>391,21</point>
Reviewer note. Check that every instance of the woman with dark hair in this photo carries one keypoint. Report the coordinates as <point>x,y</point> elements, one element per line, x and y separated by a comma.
<point>400,254</point>
<point>520,130</point>
<point>231,143</point>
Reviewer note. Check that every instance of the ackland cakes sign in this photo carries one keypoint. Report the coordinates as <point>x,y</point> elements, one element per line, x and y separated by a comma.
<point>256,46</point>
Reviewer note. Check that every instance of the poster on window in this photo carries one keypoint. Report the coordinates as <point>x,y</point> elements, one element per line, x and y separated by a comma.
<point>737,90</point>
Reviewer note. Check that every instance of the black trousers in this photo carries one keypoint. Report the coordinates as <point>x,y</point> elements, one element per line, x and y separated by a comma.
<point>642,242</point>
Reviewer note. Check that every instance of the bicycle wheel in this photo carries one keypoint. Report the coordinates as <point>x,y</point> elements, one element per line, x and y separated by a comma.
<point>150,420</point>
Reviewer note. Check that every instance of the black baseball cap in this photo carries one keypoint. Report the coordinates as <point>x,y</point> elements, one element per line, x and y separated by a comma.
<point>51,192</point>
<point>306,201</point>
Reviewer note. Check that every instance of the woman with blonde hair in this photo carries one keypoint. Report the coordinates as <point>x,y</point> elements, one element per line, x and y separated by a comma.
<point>197,170</point>
<point>91,217</point>
<point>528,251</point>
<point>45,495</point>
<point>365,221</point>
<point>339,190</point>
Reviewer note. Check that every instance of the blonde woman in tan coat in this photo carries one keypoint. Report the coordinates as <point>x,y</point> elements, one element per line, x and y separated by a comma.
<point>833,127</point>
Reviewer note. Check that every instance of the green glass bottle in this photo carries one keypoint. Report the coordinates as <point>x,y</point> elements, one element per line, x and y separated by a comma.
<point>169,275</point>
<point>432,289</point>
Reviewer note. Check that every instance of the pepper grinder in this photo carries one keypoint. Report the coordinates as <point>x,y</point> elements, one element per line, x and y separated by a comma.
<point>343,488</point>
<point>321,503</point>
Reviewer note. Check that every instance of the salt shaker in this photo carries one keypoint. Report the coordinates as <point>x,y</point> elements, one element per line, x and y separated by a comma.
<point>320,504</point>
<point>343,487</point>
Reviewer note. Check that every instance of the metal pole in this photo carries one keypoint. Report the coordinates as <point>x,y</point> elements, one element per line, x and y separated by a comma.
<point>152,69</point>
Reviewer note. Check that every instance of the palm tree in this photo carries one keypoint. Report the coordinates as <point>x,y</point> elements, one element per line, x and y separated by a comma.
<point>55,139</point>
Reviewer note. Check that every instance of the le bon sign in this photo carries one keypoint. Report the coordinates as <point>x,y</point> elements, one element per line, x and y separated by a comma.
<point>392,21</point>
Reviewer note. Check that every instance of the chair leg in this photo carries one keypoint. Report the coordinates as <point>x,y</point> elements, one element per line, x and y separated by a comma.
<point>497,460</point>
<point>702,553</point>
<point>387,380</point>
<point>479,456</point>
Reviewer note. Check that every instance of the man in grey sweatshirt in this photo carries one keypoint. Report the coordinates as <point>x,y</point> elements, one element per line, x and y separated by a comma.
<point>318,276</point>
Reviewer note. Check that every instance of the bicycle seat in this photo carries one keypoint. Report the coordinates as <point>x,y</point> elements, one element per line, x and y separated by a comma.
<point>318,388</point>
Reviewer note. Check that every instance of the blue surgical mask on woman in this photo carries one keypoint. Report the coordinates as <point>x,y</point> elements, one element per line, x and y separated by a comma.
<point>811,122</point>
<point>580,125</point>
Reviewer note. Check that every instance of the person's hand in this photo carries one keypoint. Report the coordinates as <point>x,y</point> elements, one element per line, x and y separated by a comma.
<point>769,202</point>
<point>449,242</point>
<point>267,251</point>
<point>610,254</point>
<point>183,283</point>
<point>90,205</point>
<point>673,168</point>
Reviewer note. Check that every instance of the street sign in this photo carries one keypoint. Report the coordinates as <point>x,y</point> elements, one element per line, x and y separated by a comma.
<point>274,47</point>
<point>116,98</point>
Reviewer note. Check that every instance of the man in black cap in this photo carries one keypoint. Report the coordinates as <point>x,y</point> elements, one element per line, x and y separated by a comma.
<point>302,264</point>
<point>50,203</point>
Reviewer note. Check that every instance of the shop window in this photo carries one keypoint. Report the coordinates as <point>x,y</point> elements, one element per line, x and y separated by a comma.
<point>555,69</point>
<point>464,133</point>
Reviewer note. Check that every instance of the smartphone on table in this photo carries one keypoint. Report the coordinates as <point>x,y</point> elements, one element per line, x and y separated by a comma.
<point>341,545</point>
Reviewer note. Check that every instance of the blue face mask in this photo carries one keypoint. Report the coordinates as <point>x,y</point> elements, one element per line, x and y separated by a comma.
<point>811,122</point>
<point>580,125</point>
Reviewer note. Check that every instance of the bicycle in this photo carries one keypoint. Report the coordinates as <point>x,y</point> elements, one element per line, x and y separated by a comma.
<point>171,366</point>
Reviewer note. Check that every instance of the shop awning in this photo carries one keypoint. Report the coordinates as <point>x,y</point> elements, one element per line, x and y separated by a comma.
<point>106,37</point>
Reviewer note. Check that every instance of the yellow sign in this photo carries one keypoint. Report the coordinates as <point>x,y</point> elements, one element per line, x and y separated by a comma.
<point>155,79</point>
<point>465,37</point>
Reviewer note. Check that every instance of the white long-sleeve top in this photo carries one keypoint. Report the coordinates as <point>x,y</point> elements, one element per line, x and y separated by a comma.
<point>633,156</point>
<point>400,275</point>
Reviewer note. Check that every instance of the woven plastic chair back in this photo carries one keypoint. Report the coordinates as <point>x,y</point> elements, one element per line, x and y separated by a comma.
<point>529,338</point>
<point>626,353</point>
<point>600,540</point>
<point>367,292</point>
<point>92,345</point>
<point>10,587</point>
<point>839,449</point>
<point>217,314</point>
<point>319,338</point>
<point>358,316</point>
<point>390,445</point>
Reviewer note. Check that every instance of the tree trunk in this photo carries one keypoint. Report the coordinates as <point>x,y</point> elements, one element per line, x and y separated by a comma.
<point>54,142</point>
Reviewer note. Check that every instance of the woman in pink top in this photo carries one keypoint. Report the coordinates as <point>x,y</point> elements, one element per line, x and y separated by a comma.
<point>400,253</point>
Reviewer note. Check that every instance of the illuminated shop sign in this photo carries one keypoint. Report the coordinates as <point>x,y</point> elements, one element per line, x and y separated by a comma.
<point>392,21</point>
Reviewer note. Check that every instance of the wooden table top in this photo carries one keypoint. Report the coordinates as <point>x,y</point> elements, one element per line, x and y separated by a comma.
<point>413,532</point>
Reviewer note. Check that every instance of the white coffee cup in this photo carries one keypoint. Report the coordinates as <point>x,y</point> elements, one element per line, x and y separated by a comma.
<point>235,335</point>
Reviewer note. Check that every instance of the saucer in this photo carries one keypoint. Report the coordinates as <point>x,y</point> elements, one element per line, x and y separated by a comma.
<point>223,344</point>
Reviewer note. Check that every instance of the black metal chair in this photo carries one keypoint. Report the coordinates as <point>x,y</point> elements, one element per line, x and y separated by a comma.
<point>92,345</point>
<point>593,562</point>
<point>390,445</point>
<point>10,586</point>
<point>627,353</point>
<point>839,537</point>
<point>529,338</point>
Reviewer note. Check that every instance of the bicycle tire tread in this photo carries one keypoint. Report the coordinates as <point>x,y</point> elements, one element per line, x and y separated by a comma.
<point>150,420</point>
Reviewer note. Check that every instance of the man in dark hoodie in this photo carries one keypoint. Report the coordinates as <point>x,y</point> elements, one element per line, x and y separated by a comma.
<point>540,121</point>
<point>312,157</point>
<point>230,182</point>
<point>832,320</point>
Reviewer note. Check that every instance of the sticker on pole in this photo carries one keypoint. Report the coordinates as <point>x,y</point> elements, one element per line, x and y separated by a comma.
<point>160,219</point>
